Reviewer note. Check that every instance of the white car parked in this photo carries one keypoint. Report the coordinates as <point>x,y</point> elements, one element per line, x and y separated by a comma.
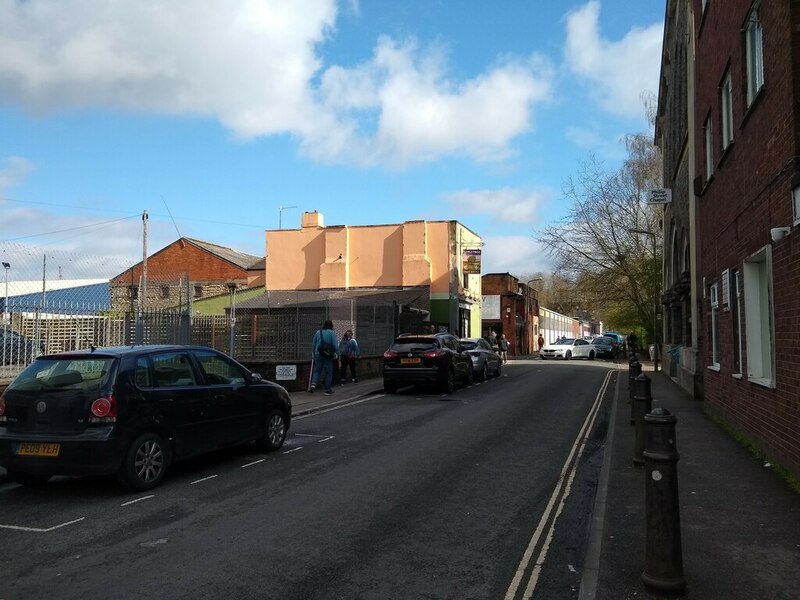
<point>568,348</point>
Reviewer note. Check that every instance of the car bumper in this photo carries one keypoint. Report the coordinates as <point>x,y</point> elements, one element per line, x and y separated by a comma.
<point>410,376</point>
<point>552,354</point>
<point>93,452</point>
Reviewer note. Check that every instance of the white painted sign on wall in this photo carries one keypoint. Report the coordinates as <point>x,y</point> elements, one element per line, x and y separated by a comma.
<point>285,372</point>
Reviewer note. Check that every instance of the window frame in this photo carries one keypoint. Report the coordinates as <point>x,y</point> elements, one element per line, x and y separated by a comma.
<point>708,128</point>
<point>754,53</point>
<point>714,301</point>
<point>759,317</point>
<point>726,110</point>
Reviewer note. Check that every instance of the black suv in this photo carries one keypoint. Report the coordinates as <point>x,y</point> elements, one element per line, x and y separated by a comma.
<point>132,411</point>
<point>426,359</point>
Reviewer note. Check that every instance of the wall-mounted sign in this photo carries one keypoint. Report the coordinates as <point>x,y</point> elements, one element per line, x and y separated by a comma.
<point>472,262</point>
<point>660,196</point>
<point>285,372</point>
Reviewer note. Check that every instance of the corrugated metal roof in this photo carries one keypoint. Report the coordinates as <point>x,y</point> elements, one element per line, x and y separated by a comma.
<point>240,259</point>
<point>418,297</point>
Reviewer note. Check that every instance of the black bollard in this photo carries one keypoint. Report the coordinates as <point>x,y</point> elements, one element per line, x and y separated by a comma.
<point>642,405</point>
<point>663,568</point>
<point>634,370</point>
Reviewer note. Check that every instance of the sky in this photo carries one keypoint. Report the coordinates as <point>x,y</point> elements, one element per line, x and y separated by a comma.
<point>226,119</point>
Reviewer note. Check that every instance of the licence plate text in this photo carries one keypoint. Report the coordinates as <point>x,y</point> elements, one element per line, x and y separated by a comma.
<point>38,449</point>
<point>410,361</point>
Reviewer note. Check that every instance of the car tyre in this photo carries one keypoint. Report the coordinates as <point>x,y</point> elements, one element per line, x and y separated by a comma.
<point>499,369</point>
<point>275,433</point>
<point>485,371</point>
<point>568,355</point>
<point>449,383</point>
<point>470,377</point>
<point>28,479</point>
<point>591,354</point>
<point>145,463</point>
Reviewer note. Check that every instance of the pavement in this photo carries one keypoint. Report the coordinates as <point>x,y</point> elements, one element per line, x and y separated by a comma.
<point>739,522</point>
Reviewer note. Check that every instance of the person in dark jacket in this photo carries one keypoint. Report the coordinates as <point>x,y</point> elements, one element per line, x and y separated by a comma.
<point>323,353</point>
<point>348,353</point>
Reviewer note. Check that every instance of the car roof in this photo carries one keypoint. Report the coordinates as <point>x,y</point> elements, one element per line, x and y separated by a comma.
<point>119,351</point>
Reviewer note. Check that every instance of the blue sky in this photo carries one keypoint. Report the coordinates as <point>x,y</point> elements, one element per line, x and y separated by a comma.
<point>212,115</point>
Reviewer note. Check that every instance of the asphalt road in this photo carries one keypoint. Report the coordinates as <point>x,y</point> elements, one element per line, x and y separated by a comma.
<point>485,493</point>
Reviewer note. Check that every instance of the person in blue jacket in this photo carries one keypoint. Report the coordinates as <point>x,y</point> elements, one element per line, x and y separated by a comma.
<point>348,353</point>
<point>323,353</point>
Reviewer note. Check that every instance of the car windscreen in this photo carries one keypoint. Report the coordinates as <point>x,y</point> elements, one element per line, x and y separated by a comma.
<point>90,374</point>
<point>468,345</point>
<point>409,344</point>
<point>603,341</point>
<point>567,341</point>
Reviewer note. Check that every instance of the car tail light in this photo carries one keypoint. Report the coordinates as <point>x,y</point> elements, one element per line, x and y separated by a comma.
<point>104,410</point>
<point>438,353</point>
<point>390,354</point>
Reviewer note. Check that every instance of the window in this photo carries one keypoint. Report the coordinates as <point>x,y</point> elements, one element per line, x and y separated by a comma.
<point>726,110</point>
<point>715,326</point>
<point>704,3</point>
<point>759,325</point>
<point>165,291</point>
<point>737,321</point>
<point>755,57</point>
<point>218,370</point>
<point>133,292</point>
<point>709,148</point>
<point>173,369</point>
<point>198,291</point>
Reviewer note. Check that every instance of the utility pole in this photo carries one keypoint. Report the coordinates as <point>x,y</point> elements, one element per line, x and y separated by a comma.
<point>143,291</point>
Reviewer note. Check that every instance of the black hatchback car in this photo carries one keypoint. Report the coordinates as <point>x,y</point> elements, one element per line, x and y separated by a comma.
<point>437,359</point>
<point>132,411</point>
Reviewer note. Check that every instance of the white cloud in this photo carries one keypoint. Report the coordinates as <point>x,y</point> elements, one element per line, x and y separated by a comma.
<point>515,254</point>
<point>506,205</point>
<point>14,170</point>
<point>255,66</point>
<point>618,72</point>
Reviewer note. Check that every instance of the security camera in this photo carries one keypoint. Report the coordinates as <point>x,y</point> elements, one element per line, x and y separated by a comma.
<point>778,233</point>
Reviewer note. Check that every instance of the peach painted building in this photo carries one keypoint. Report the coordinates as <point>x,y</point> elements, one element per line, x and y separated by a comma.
<point>441,256</point>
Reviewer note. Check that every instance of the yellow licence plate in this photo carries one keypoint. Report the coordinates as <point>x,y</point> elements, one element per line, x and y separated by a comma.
<point>410,361</point>
<point>38,449</point>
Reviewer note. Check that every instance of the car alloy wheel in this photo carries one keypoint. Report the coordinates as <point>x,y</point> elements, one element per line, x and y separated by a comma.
<point>275,433</point>
<point>145,463</point>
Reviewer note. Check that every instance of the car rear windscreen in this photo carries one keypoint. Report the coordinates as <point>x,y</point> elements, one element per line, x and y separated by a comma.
<point>408,344</point>
<point>88,373</point>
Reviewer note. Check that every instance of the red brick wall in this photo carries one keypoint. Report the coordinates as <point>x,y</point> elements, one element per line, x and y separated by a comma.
<point>750,193</point>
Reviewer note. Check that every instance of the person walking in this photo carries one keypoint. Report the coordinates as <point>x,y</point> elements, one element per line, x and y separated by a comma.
<point>541,341</point>
<point>502,344</point>
<point>323,353</point>
<point>348,353</point>
<point>632,342</point>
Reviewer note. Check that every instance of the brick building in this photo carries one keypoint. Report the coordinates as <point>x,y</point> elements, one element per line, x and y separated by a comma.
<point>746,138</point>
<point>185,271</point>
<point>511,307</point>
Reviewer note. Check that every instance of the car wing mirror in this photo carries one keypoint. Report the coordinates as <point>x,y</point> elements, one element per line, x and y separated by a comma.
<point>256,378</point>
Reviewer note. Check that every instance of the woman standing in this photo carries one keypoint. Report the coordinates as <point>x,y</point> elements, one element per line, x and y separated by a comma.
<point>348,353</point>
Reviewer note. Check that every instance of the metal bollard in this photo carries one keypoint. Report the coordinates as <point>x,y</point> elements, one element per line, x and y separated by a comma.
<point>642,405</point>
<point>634,370</point>
<point>663,568</point>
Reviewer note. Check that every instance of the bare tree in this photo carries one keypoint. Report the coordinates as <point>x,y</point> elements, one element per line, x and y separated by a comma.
<point>613,269</point>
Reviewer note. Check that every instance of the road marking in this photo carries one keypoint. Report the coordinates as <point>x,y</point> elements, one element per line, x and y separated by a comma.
<point>338,407</point>
<point>293,450</point>
<point>330,437</point>
<point>138,500</point>
<point>559,496</point>
<point>255,462</point>
<point>40,530</point>
<point>203,479</point>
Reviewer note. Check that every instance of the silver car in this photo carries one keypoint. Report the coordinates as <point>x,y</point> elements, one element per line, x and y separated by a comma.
<point>568,348</point>
<point>485,360</point>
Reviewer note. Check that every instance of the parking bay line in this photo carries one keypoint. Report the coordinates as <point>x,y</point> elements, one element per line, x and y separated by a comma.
<point>138,500</point>
<point>39,529</point>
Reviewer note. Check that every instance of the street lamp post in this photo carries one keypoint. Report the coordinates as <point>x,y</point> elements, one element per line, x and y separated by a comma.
<point>6,266</point>
<point>280,215</point>
<point>655,295</point>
